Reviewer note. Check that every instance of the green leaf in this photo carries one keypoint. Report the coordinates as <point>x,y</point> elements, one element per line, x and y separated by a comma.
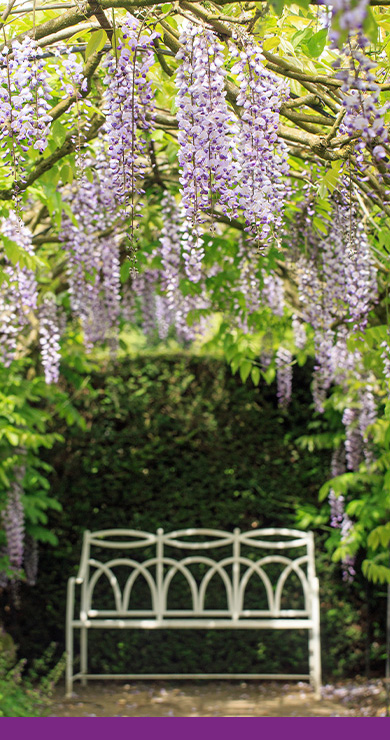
<point>236,362</point>
<point>12,250</point>
<point>245,369</point>
<point>255,375</point>
<point>269,374</point>
<point>319,224</point>
<point>329,181</point>
<point>125,271</point>
<point>96,42</point>
<point>301,3</point>
<point>278,6</point>
<point>316,44</point>
<point>370,26</point>
<point>59,133</point>
<point>67,173</point>
<point>12,437</point>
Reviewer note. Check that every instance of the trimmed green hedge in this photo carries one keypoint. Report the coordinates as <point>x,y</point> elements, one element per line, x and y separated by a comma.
<point>177,441</point>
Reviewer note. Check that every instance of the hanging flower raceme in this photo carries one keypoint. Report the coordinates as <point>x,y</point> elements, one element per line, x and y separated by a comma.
<point>49,338</point>
<point>170,250</point>
<point>18,294</point>
<point>262,155</point>
<point>24,102</point>
<point>156,292</point>
<point>273,292</point>
<point>284,376</point>
<point>93,257</point>
<point>128,106</point>
<point>207,154</point>
<point>248,283</point>
<point>181,256</point>
<point>13,522</point>
<point>337,467</point>
<point>337,287</point>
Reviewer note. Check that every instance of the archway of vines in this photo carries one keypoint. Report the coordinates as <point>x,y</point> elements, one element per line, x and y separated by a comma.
<point>207,169</point>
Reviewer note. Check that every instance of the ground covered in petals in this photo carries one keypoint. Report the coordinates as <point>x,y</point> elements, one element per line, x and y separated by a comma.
<point>220,699</point>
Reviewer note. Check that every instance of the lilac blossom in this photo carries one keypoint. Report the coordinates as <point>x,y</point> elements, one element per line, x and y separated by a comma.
<point>353,439</point>
<point>192,251</point>
<point>385,357</point>
<point>262,156</point>
<point>350,16</point>
<point>128,105</point>
<point>24,98</point>
<point>337,467</point>
<point>273,292</point>
<point>347,561</point>
<point>284,376</point>
<point>367,417</point>
<point>49,337</point>
<point>93,256</point>
<point>248,283</point>
<point>18,295</point>
<point>300,337</point>
<point>156,292</point>
<point>30,560</point>
<point>170,249</point>
<point>207,155</point>
<point>13,521</point>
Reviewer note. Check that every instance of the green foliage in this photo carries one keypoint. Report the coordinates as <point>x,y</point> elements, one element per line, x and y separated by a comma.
<point>24,695</point>
<point>27,407</point>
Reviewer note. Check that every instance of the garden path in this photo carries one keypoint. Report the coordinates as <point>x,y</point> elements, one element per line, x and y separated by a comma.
<point>219,699</point>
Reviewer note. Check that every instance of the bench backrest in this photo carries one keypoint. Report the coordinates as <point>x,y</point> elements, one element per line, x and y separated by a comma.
<point>261,573</point>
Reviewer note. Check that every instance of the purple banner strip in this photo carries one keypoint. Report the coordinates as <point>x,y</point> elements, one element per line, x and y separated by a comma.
<point>198,728</point>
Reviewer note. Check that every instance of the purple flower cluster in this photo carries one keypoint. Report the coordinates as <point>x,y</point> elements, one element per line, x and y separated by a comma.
<point>49,338</point>
<point>30,560</point>
<point>262,156</point>
<point>71,79</point>
<point>127,104</point>
<point>349,271</point>
<point>364,113</point>
<point>353,438</point>
<point>283,376</point>
<point>338,516</point>
<point>349,16</point>
<point>157,291</point>
<point>299,332</point>
<point>385,357</point>
<point>206,126</point>
<point>248,283</point>
<point>13,522</point>
<point>192,250</point>
<point>337,467</point>
<point>25,96</point>
<point>367,417</point>
<point>347,561</point>
<point>273,292</point>
<point>337,286</point>
<point>170,250</point>
<point>93,260</point>
<point>18,295</point>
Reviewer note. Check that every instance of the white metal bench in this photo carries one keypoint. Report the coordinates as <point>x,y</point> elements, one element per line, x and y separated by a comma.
<point>245,563</point>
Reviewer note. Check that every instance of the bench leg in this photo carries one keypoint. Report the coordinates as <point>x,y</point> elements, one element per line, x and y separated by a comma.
<point>315,662</point>
<point>69,661</point>
<point>84,654</point>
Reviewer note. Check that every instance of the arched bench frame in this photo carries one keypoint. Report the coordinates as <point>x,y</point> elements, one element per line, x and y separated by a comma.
<point>236,571</point>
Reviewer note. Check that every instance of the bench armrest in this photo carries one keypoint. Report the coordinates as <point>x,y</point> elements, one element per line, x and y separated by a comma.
<point>72,582</point>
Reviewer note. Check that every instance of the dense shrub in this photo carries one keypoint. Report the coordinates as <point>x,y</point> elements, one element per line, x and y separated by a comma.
<point>176,442</point>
